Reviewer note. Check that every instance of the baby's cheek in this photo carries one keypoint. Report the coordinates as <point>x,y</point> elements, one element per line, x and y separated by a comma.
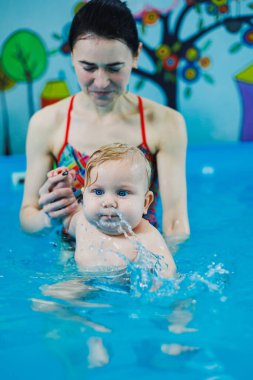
<point>84,205</point>
<point>86,208</point>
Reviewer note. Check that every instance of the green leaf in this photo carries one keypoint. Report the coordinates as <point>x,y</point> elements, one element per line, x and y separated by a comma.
<point>201,24</point>
<point>139,85</point>
<point>206,45</point>
<point>208,78</point>
<point>176,46</point>
<point>52,51</point>
<point>250,5</point>
<point>198,8</point>
<point>143,28</point>
<point>188,92</point>
<point>235,47</point>
<point>56,36</point>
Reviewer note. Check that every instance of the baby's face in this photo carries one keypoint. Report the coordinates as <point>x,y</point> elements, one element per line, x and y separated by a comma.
<point>119,192</point>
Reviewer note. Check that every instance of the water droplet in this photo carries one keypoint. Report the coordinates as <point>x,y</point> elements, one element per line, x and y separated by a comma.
<point>207,170</point>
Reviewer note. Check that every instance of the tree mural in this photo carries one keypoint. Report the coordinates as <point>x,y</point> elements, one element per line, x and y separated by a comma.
<point>24,59</point>
<point>6,83</point>
<point>63,36</point>
<point>178,57</point>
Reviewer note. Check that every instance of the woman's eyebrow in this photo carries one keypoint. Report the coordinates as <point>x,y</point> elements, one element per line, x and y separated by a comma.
<point>108,64</point>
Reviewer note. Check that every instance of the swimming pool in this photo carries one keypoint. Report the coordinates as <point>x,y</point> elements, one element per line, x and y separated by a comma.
<point>199,329</point>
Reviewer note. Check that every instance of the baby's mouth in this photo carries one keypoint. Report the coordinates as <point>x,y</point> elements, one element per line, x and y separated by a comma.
<point>108,217</point>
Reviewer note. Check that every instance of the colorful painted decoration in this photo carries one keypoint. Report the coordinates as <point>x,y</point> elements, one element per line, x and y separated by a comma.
<point>24,59</point>
<point>248,37</point>
<point>53,92</point>
<point>6,83</point>
<point>24,56</point>
<point>176,58</point>
<point>171,62</point>
<point>245,84</point>
<point>190,73</point>
<point>150,17</point>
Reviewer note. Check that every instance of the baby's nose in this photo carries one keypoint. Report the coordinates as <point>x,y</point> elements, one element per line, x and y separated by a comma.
<point>109,202</point>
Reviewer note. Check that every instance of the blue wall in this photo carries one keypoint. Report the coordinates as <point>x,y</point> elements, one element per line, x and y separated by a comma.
<point>214,110</point>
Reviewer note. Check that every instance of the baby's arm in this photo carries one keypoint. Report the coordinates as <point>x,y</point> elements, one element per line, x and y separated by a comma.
<point>154,242</point>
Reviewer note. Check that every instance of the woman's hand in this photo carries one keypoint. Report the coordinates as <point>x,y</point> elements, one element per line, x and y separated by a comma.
<point>56,197</point>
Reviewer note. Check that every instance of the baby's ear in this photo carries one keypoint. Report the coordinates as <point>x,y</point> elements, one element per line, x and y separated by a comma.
<point>149,197</point>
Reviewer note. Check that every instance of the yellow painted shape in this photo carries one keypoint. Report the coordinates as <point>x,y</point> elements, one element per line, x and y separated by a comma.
<point>55,89</point>
<point>246,75</point>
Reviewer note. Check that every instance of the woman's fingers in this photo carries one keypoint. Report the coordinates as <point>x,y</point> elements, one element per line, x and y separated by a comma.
<point>65,178</point>
<point>58,205</point>
<point>56,197</point>
<point>63,212</point>
<point>57,194</point>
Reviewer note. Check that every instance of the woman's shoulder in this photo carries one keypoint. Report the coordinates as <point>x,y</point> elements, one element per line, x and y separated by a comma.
<point>51,116</point>
<point>164,121</point>
<point>160,111</point>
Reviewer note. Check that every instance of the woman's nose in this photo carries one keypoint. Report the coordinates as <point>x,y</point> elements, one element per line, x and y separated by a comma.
<point>101,79</point>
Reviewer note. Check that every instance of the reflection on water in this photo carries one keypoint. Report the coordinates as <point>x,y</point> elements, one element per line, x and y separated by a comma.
<point>117,319</point>
<point>194,327</point>
<point>94,308</point>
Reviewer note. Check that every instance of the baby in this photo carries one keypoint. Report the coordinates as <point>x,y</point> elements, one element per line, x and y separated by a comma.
<point>110,229</point>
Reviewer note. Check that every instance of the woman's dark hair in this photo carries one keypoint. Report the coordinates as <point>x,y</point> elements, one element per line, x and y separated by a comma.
<point>109,19</point>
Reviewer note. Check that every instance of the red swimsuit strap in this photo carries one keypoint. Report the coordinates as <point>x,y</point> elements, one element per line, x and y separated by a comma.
<point>143,131</point>
<point>67,127</point>
<point>142,120</point>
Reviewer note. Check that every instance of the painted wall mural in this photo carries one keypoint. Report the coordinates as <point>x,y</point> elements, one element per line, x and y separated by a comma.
<point>6,83</point>
<point>178,40</point>
<point>24,59</point>
<point>245,83</point>
<point>179,58</point>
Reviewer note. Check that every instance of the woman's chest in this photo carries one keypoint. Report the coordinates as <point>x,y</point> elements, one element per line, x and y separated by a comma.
<point>87,135</point>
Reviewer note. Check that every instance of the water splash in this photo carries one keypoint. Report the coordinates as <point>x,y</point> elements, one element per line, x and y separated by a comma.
<point>144,271</point>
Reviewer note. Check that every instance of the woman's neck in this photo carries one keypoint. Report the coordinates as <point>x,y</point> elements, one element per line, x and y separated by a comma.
<point>119,106</point>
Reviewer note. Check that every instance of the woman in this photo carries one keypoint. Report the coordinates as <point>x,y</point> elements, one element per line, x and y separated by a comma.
<point>104,43</point>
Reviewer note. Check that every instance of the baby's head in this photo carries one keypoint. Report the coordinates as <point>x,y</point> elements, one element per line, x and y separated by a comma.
<point>117,181</point>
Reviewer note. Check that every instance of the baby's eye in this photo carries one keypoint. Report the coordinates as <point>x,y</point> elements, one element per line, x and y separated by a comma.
<point>98,191</point>
<point>122,193</point>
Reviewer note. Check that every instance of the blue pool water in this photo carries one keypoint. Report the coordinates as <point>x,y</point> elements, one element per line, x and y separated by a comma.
<point>199,327</point>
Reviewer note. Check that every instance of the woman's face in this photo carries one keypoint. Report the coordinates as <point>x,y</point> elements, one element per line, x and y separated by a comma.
<point>103,68</point>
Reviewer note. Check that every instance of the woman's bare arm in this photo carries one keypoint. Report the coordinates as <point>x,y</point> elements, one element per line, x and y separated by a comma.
<point>172,177</point>
<point>41,204</point>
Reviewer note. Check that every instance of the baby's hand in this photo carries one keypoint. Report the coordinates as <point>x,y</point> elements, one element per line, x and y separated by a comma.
<point>62,178</point>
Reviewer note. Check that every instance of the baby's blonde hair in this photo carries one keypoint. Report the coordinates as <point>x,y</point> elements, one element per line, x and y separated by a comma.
<point>115,152</point>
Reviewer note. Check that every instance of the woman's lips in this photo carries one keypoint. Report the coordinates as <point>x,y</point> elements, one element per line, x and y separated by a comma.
<point>101,93</point>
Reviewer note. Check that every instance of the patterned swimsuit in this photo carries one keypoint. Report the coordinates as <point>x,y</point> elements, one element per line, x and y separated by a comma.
<point>73,159</point>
